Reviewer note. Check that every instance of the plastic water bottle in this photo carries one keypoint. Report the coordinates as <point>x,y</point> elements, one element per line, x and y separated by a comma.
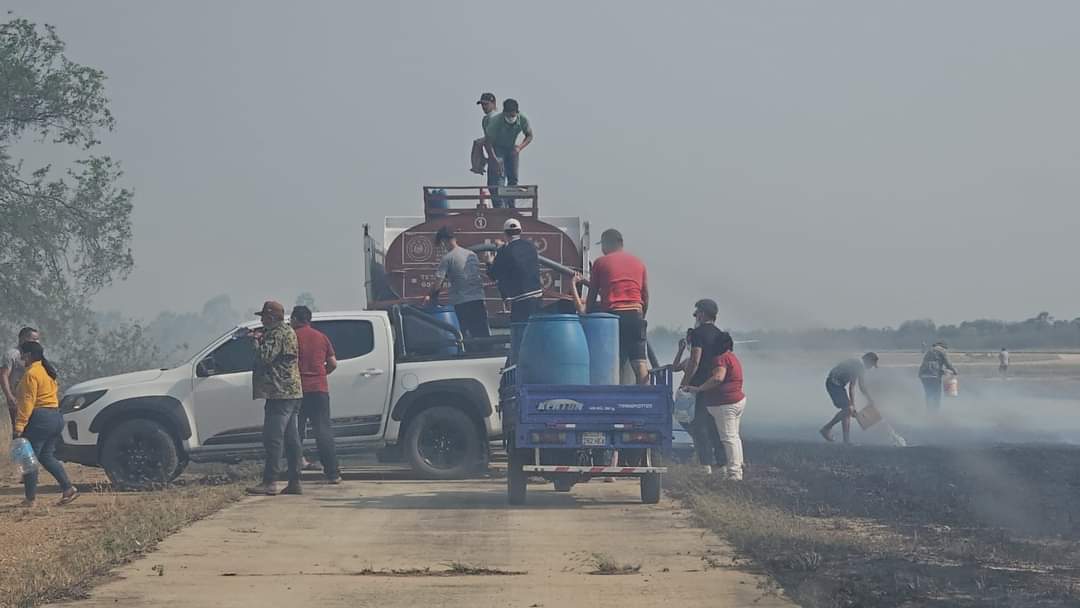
<point>22,454</point>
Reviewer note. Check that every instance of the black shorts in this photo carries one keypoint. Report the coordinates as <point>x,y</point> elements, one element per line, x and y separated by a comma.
<point>633,331</point>
<point>839,395</point>
<point>473,319</point>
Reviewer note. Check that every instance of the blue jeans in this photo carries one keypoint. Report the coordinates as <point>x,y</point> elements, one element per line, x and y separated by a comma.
<point>509,176</point>
<point>43,433</point>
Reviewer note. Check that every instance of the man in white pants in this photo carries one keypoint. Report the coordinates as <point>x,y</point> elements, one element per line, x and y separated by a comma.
<point>723,396</point>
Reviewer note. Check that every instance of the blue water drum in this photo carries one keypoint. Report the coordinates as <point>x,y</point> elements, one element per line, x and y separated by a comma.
<point>437,199</point>
<point>554,351</point>
<point>602,334</point>
<point>447,315</point>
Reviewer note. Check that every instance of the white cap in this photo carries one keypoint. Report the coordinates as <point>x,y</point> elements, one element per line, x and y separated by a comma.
<point>512,224</point>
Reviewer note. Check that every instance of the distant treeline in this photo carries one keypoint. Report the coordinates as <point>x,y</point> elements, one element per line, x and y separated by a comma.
<point>1040,332</point>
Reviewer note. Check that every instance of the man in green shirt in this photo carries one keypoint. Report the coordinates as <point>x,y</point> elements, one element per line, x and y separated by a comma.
<point>501,136</point>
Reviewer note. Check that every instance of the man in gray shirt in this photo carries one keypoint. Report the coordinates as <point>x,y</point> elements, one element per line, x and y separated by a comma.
<point>12,369</point>
<point>461,268</point>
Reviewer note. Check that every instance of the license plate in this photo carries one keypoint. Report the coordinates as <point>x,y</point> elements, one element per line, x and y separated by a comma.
<point>594,439</point>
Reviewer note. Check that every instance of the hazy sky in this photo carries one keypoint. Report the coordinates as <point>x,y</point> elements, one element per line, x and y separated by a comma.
<point>802,162</point>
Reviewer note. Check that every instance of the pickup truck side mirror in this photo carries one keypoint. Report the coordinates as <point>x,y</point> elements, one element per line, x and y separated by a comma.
<point>206,367</point>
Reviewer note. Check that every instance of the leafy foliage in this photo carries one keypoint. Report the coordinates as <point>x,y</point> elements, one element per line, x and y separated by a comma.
<point>64,234</point>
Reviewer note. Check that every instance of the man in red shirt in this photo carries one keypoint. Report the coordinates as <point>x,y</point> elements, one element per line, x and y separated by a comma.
<point>316,360</point>
<point>618,285</point>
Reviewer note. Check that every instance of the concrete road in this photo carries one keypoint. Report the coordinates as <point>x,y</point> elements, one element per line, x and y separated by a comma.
<point>341,546</point>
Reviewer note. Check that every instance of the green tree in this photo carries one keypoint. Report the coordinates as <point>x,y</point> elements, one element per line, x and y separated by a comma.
<point>64,234</point>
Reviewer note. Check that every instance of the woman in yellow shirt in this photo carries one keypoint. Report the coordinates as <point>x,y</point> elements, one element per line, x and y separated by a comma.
<point>39,421</point>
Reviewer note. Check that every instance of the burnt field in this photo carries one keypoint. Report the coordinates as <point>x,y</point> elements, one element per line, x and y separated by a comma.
<point>920,526</point>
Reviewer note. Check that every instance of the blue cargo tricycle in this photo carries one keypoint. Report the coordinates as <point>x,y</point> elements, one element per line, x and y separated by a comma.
<point>569,434</point>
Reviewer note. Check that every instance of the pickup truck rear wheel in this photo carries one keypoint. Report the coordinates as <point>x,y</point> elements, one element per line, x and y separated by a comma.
<point>140,454</point>
<point>443,443</point>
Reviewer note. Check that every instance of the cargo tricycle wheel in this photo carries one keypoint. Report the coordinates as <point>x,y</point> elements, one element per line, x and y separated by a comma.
<point>650,488</point>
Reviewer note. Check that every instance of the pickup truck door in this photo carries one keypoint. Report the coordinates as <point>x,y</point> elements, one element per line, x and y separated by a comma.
<point>360,387</point>
<point>226,417</point>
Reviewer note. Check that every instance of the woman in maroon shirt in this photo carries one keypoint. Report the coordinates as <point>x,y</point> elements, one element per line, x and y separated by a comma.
<point>725,400</point>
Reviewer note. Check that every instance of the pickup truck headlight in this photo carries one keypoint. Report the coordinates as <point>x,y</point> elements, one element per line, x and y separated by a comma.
<point>74,403</point>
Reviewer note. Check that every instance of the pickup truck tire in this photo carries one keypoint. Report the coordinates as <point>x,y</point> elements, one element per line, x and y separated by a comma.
<point>140,454</point>
<point>516,481</point>
<point>650,488</point>
<point>443,443</point>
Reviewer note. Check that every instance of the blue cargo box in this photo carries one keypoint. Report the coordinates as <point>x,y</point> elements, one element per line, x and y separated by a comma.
<point>604,417</point>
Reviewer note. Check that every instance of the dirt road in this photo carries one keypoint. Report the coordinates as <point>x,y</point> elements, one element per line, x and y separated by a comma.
<point>417,543</point>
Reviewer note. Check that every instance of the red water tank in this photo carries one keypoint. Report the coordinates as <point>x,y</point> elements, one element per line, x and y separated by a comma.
<point>410,259</point>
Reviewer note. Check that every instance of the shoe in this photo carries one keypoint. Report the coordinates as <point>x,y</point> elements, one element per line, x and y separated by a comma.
<point>68,497</point>
<point>827,434</point>
<point>312,466</point>
<point>707,469</point>
<point>334,481</point>
<point>27,503</point>
<point>293,489</point>
<point>266,489</point>
<point>609,480</point>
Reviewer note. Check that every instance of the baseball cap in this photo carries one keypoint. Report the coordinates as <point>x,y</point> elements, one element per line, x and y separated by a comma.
<point>510,105</point>
<point>444,234</point>
<point>512,225</point>
<point>489,97</point>
<point>610,235</point>
<point>272,307</point>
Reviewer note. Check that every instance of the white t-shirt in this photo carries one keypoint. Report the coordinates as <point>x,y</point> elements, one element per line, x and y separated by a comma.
<point>13,360</point>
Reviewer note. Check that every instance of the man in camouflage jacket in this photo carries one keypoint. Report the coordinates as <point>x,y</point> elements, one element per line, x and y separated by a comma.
<point>276,379</point>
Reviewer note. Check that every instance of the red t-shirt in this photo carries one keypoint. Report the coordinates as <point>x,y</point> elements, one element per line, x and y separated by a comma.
<point>315,351</point>
<point>622,281</point>
<point>730,391</point>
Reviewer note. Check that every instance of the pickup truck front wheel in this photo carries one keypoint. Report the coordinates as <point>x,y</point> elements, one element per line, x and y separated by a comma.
<point>443,443</point>
<point>140,454</point>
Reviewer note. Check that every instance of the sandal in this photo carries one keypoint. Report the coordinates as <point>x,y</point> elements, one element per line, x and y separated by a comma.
<point>67,498</point>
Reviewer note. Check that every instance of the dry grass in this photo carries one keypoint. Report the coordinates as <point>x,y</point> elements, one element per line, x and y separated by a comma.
<point>605,565</point>
<point>48,553</point>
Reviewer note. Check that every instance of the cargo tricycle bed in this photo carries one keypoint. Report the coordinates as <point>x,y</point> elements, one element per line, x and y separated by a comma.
<point>569,434</point>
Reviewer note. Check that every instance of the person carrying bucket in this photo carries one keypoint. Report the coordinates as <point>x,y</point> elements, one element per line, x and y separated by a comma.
<point>934,365</point>
<point>840,384</point>
<point>516,271</point>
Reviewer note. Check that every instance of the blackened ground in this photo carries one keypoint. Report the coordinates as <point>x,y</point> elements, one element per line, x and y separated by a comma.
<point>921,526</point>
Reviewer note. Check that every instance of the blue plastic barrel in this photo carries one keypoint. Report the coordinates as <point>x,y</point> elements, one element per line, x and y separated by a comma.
<point>554,351</point>
<point>438,199</point>
<point>447,315</point>
<point>602,334</point>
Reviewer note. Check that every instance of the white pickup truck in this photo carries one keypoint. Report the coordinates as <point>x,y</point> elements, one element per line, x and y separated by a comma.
<point>403,386</point>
